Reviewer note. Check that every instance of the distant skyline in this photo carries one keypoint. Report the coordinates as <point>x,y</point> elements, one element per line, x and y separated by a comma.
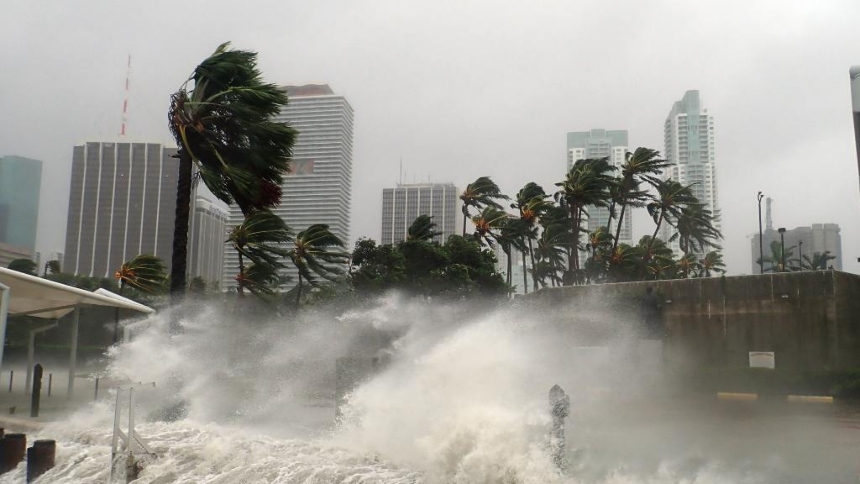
<point>458,90</point>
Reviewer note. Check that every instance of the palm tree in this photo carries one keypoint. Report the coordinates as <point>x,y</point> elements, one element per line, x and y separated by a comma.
<point>481,193</point>
<point>224,126</point>
<point>587,184</point>
<point>687,265</point>
<point>666,207</point>
<point>599,248</point>
<point>695,230</point>
<point>261,238</point>
<point>145,273</point>
<point>422,228</point>
<point>644,164</point>
<point>776,257</point>
<point>510,236</point>
<point>486,223</point>
<point>52,267</point>
<point>658,258</point>
<point>260,279</point>
<point>315,253</point>
<point>818,261</point>
<point>531,202</point>
<point>624,263</point>
<point>551,253</point>
<point>712,262</point>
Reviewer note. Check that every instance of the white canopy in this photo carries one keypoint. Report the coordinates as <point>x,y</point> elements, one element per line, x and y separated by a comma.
<point>22,294</point>
<point>41,298</point>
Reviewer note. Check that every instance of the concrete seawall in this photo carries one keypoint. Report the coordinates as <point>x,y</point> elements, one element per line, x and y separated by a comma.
<point>811,319</point>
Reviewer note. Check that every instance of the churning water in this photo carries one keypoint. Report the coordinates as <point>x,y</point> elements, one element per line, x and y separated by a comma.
<point>458,394</point>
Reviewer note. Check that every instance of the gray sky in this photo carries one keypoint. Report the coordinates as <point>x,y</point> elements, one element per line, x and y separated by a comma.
<point>461,89</point>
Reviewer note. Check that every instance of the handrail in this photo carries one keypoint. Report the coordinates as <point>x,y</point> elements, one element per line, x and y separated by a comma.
<point>123,443</point>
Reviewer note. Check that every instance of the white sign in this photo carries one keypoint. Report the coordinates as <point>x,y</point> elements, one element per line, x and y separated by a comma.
<point>762,359</point>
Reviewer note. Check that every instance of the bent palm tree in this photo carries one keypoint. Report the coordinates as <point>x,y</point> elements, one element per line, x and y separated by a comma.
<point>146,273</point>
<point>224,127</point>
<point>644,164</point>
<point>26,266</point>
<point>666,207</point>
<point>313,255</point>
<point>712,262</point>
<point>587,184</point>
<point>695,230</point>
<point>481,193</point>
<point>531,202</point>
<point>259,238</point>
<point>422,228</point>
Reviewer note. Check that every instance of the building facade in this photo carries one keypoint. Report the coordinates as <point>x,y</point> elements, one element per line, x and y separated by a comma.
<point>207,234</point>
<point>122,203</point>
<point>20,185</point>
<point>319,188</point>
<point>403,204</point>
<point>8,253</point>
<point>688,135</point>
<point>801,244</point>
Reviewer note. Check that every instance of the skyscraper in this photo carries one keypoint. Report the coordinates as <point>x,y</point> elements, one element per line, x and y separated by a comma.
<point>319,189</point>
<point>206,237</point>
<point>122,202</point>
<point>688,135</point>
<point>20,183</point>
<point>600,143</point>
<point>403,204</point>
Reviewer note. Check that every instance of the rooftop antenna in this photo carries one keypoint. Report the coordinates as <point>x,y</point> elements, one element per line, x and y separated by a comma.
<point>125,101</point>
<point>768,218</point>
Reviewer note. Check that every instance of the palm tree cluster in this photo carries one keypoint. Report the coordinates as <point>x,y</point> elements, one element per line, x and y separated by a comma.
<point>551,231</point>
<point>774,261</point>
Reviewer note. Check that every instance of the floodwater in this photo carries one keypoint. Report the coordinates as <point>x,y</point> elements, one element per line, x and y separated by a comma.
<point>455,396</point>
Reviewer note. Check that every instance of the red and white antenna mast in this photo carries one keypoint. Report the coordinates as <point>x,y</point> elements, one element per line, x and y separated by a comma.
<point>125,101</point>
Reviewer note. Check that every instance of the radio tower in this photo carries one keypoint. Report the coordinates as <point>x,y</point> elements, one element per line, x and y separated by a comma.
<point>125,101</point>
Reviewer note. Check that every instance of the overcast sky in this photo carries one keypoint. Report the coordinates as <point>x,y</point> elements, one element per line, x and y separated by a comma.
<point>460,89</point>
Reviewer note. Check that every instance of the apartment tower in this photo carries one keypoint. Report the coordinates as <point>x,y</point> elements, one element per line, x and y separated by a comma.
<point>319,188</point>
<point>20,184</point>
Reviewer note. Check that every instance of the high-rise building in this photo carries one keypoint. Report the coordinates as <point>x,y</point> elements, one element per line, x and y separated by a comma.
<point>403,204</point>
<point>20,183</point>
<point>122,203</point>
<point>207,234</point>
<point>319,189</point>
<point>801,243</point>
<point>688,135</point>
<point>600,143</point>
<point>854,74</point>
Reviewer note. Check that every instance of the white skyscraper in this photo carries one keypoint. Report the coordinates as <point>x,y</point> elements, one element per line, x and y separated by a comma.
<point>689,147</point>
<point>318,191</point>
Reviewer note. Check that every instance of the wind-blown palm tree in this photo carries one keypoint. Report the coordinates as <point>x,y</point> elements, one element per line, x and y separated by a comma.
<point>551,253</point>
<point>145,273</point>
<point>695,230</point>
<point>666,207</point>
<point>481,193</point>
<point>687,265</point>
<point>712,262</point>
<point>224,126</point>
<point>25,266</point>
<point>487,224</point>
<point>531,202</point>
<point>818,261</point>
<point>260,238</point>
<point>315,253</point>
<point>587,184</point>
<point>422,228</point>
<point>643,165</point>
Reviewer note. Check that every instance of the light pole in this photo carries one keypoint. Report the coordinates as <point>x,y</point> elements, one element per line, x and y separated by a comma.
<point>800,254</point>
<point>781,231</point>
<point>760,237</point>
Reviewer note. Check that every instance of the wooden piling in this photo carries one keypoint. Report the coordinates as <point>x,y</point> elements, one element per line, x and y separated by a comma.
<point>36,396</point>
<point>12,450</point>
<point>40,458</point>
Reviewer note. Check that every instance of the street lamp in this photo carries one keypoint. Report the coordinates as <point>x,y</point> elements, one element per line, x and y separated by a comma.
<point>781,231</point>
<point>760,237</point>
<point>800,254</point>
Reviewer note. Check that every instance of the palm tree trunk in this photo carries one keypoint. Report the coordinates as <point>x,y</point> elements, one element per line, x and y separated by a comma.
<point>241,286</point>
<point>618,229</point>
<point>299,292</point>
<point>465,216</point>
<point>525,274</point>
<point>609,218</point>
<point>534,275</point>
<point>510,276</point>
<point>180,227</point>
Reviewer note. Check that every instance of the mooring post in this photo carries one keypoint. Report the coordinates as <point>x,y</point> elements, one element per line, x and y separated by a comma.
<point>12,450</point>
<point>96,396</point>
<point>50,380</point>
<point>11,376</point>
<point>35,397</point>
<point>559,405</point>
<point>40,458</point>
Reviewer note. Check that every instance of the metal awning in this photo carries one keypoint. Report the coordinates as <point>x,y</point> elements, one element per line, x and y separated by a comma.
<point>25,295</point>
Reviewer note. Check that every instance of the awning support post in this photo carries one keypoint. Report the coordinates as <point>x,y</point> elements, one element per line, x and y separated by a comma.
<point>73,356</point>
